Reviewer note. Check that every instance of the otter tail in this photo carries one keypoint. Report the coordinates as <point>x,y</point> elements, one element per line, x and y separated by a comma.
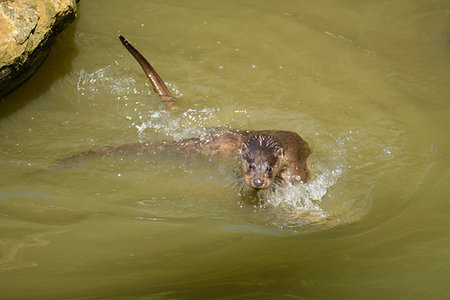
<point>158,84</point>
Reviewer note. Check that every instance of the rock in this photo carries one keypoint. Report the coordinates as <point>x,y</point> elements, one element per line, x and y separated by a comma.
<point>28,29</point>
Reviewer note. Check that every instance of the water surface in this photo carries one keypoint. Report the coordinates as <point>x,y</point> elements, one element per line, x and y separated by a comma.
<point>365,83</point>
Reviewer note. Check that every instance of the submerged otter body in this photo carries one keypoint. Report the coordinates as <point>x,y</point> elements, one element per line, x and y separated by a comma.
<point>263,155</point>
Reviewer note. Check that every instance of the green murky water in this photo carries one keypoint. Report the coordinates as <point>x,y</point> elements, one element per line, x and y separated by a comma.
<point>366,83</point>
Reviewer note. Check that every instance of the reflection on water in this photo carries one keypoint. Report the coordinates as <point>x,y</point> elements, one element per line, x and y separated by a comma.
<point>11,248</point>
<point>364,83</point>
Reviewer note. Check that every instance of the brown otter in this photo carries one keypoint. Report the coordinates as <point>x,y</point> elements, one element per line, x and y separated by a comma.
<point>264,155</point>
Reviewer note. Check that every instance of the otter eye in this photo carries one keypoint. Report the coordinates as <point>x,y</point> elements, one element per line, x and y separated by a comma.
<point>269,169</point>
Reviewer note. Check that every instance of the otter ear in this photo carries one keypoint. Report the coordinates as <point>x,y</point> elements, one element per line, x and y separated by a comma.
<point>280,152</point>
<point>243,148</point>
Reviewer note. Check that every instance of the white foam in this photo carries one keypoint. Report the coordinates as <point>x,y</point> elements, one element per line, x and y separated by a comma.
<point>303,197</point>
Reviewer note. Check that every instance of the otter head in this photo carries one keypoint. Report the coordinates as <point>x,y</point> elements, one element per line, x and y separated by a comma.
<point>261,160</point>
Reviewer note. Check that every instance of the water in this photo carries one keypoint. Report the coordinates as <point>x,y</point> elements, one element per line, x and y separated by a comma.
<point>365,83</point>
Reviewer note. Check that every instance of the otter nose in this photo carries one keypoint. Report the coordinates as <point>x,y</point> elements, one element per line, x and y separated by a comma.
<point>257,182</point>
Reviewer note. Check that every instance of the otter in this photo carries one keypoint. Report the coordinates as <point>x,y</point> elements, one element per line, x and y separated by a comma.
<point>264,155</point>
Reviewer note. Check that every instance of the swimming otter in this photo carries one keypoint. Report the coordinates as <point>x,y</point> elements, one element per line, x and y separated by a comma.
<point>264,155</point>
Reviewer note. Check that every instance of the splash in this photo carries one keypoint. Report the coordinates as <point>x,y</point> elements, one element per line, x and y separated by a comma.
<point>302,197</point>
<point>91,84</point>
<point>298,208</point>
<point>106,81</point>
<point>191,123</point>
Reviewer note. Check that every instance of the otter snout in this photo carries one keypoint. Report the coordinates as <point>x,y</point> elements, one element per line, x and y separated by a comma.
<point>257,183</point>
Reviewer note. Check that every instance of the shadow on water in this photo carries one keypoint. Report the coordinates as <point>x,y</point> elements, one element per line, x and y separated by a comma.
<point>62,53</point>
